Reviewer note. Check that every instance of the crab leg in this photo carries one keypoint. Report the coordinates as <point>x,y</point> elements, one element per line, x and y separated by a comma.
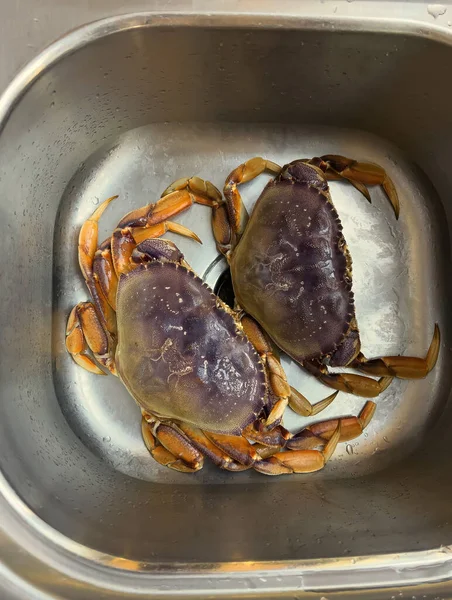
<point>241,174</point>
<point>209,449</point>
<point>359,385</point>
<point>227,218</point>
<point>299,461</point>
<point>105,274</point>
<point>125,241</point>
<point>301,405</point>
<point>84,331</point>
<point>175,199</point>
<point>174,449</point>
<point>275,438</point>
<point>235,446</point>
<point>277,378</point>
<point>87,241</point>
<point>275,372</point>
<point>318,433</point>
<point>87,247</point>
<point>403,367</point>
<point>360,175</point>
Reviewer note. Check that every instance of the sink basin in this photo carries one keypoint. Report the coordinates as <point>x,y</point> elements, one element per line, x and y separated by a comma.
<point>125,106</point>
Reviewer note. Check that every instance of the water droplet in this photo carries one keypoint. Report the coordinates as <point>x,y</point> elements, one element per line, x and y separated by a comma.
<point>349,449</point>
<point>386,439</point>
<point>436,10</point>
<point>106,438</point>
<point>449,23</point>
<point>95,200</point>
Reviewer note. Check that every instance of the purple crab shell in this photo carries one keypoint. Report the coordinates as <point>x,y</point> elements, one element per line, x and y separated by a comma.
<point>291,270</point>
<point>181,354</point>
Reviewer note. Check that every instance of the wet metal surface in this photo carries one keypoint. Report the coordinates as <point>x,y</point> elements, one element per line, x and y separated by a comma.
<point>396,304</point>
<point>126,106</point>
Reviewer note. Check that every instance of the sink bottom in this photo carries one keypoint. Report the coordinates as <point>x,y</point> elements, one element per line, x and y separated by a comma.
<point>398,275</point>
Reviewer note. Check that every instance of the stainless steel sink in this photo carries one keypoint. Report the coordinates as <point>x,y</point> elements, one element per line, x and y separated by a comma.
<point>124,106</point>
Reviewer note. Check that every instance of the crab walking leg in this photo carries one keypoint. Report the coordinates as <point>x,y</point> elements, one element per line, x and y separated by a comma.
<point>87,241</point>
<point>359,385</point>
<point>208,448</point>
<point>178,452</point>
<point>301,405</point>
<point>403,367</point>
<point>360,175</point>
<point>87,247</point>
<point>276,437</point>
<point>85,331</point>
<point>178,197</point>
<point>275,373</point>
<point>228,217</point>
<point>105,274</point>
<point>319,433</point>
<point>277,378</point>
<point>125,241</point>
<point>299,461</point>
<point>235,446</point>
<point>241,174</point>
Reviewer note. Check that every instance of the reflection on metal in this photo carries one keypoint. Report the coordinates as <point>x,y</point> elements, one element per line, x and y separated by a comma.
<point>101,113</point>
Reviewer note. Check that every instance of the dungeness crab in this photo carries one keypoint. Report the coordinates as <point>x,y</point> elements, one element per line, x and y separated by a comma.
<point>292,272</point>
<point>203,374</point>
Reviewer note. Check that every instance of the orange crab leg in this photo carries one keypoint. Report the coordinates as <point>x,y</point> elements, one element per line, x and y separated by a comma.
<point>87,240</point>
<point>360,175</point>
<point>275,437</point>
<point>301,405</point>
<point>87,246</point>
<point>318,433</point>
<point>173,440</point>
<point>161,454</point>
<point>235,446</point>
<point>125,241</point>
<point>209,449</point>
<point>277,377</point>
<point>175,199</point>
<point>348,382</point>
<point>299,461</point>
<point>403,367</point>
<point>84,331</point>
<point>105,274</point>
<point>241,174</point>
<point>356,384</point>
<point>275,372</point>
